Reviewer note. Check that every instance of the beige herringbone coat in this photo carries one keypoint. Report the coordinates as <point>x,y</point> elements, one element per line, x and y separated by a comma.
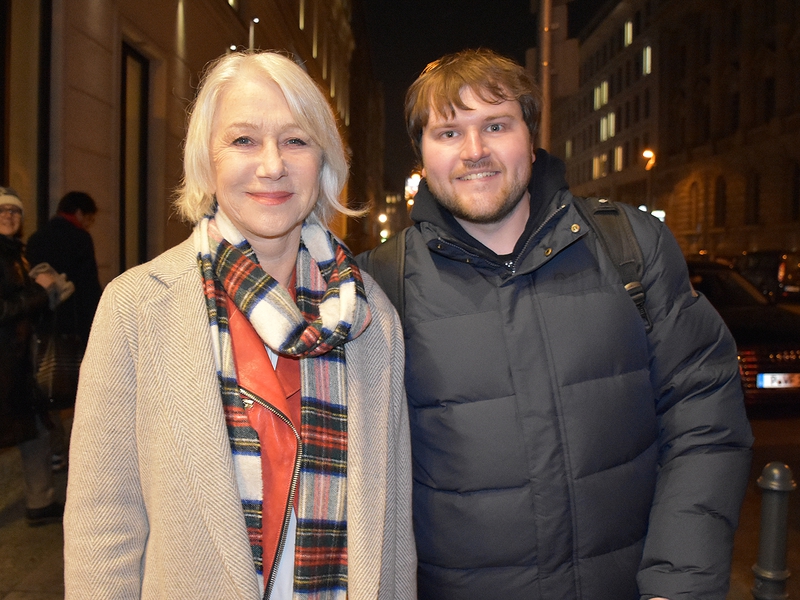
<point>152,505</point>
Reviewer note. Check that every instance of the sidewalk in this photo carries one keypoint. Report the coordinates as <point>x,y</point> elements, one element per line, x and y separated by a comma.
<point>31,563</point>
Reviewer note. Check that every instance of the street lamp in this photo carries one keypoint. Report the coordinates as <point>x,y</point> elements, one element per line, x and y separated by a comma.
<point>651,162</point>
<point>651,159</point>
<point>253,32</point>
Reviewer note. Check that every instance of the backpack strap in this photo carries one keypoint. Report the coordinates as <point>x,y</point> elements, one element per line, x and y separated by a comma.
<point>614,231</point>
<point>387,265</point>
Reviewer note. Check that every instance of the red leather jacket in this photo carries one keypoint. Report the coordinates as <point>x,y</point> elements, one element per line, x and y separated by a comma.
<point>272,402</point>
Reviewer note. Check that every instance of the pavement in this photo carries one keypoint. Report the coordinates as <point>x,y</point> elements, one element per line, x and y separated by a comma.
<point>31,558</point>
<point>32,567</point>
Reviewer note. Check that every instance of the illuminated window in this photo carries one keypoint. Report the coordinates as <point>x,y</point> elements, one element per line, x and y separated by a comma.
<point>600,166</point>
<point>234,3</point>
<point>568,149</point>
<point>618,158</point>
<point>628,33</point>
<point>601,95</point>
<point>647,60</point>
<point>608,126</point>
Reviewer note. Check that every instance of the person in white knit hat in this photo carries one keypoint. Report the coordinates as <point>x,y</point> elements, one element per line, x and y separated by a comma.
<point>22,301</point>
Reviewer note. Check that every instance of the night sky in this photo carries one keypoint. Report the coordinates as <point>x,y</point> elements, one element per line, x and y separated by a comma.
<point>408,34</point>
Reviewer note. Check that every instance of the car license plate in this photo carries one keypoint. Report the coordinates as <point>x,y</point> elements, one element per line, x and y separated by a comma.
<point>778,380</point>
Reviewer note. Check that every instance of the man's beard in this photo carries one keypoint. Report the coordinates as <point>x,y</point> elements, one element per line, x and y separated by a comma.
<point>504,203</point>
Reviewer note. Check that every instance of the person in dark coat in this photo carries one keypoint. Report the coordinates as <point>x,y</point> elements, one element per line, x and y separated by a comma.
<point>22,302</point>
<point>564,448</point>
<point>66,244</point>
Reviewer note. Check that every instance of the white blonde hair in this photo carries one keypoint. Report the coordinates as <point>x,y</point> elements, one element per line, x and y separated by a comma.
<point>195,197</point>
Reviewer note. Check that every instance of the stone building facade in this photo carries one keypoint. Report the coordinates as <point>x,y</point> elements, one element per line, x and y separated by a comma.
<point>96,93</point>
<point>712,88</point>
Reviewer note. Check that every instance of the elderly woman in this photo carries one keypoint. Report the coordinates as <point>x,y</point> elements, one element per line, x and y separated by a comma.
<point>22,302</point>
<point>240,429</point>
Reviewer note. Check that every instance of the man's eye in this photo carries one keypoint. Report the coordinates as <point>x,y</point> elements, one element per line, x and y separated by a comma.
<point>449,134</point>
<point>495,127</point>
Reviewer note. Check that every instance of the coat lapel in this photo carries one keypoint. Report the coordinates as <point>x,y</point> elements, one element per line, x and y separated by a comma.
<point>196,423</point>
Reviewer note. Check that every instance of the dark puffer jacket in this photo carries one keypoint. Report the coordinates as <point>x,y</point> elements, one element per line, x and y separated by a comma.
<point>560,451</point>
<point>21,302</point>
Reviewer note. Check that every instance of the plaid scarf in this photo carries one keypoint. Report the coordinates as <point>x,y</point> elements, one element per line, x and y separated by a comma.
<point>331,309</point>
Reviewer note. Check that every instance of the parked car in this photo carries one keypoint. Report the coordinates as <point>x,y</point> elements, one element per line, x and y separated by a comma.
<point>767,334</point>
<point>774,272</point>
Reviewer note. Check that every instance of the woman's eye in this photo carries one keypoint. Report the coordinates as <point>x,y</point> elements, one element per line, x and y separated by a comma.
<point>242,141</point>
<point>295,142</point>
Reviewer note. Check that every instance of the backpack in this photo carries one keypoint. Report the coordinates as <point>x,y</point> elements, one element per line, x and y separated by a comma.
<point>386,263</point>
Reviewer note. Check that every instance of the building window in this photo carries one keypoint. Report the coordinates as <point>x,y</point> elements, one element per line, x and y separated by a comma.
<point>133,159</point>
<point>604,129</point>
<point>733,112</point>
<point>234,4</point>
<point>601,95</point>
<point>568,149</point>
<point>752,199</point>
<point>795,200</point>
<point>618,164</point>
<point>600,166</point>
<point>769,99</point>
<point>647,60</point>
<point>627,35</point>
<point>720,202</point>
<point>736,27</point>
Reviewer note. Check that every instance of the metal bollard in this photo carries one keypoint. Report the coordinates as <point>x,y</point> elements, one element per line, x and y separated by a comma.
<point>771,573</point>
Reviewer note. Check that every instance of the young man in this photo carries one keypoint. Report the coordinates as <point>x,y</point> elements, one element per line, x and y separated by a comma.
<point>563,447</point>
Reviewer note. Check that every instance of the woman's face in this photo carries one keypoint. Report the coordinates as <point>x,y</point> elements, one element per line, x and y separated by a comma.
<point>10,219</point>
<point>266,168</point>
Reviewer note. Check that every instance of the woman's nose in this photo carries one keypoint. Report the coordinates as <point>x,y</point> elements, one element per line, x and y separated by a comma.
<point>271,163</point>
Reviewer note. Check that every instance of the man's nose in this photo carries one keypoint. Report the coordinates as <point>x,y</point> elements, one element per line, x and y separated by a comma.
<point>473,149</point>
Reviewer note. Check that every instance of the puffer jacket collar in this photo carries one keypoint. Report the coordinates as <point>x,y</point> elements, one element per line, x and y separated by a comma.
<point>553,224</point>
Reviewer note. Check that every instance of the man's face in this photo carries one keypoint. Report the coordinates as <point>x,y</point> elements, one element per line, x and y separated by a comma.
<point>478,163</point>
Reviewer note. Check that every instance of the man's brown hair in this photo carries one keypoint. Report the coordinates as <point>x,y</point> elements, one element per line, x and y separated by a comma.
<point>491,77</point>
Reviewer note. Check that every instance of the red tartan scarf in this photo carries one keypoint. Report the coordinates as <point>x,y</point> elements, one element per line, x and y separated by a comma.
<point>330,309</point>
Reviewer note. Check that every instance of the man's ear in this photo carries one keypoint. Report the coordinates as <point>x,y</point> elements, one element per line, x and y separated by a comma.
<point>423,173</point>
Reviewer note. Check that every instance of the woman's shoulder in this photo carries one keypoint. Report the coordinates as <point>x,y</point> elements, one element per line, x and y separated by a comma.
<point>163,271</point>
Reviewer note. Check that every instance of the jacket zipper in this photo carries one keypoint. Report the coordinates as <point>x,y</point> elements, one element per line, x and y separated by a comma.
<point>292,489</point>
<point>532,237</point>
<point>510,265</point>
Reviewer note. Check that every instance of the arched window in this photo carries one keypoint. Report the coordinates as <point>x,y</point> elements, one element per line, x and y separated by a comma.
<point>752,199</point>
<point>720,202</point>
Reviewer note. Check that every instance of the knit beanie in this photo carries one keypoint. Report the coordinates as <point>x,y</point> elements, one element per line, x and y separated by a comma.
<point>9,196</point>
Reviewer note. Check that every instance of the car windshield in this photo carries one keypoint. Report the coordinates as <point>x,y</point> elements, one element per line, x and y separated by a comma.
<point>726,288</point>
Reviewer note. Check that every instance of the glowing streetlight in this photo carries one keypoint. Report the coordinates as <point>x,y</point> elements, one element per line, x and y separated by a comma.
<point>382,218</point>
<point>651,159</point>
<point>253,32</point>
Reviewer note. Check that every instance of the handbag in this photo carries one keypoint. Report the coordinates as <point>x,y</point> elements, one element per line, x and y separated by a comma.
<point>58,362</point>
